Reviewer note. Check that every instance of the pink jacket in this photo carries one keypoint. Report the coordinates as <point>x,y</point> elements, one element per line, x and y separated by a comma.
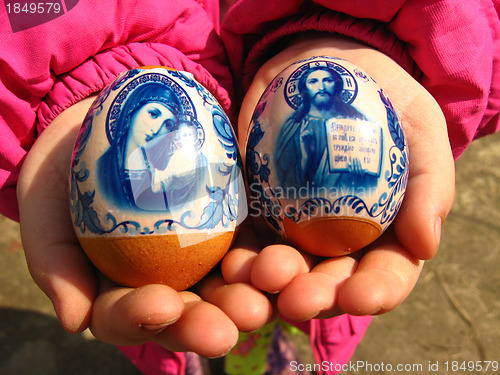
<point>47,67</point>
<point>451,47</point>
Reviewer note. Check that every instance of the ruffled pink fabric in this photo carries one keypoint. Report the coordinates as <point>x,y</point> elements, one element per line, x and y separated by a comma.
<point>451,47</point>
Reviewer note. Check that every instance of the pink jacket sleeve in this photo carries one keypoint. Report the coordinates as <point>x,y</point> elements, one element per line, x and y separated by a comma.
<point>47,67</point>
<point>451,47</point>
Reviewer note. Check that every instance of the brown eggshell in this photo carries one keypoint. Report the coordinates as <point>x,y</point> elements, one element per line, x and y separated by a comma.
<point>138,261</point>
<point>331,236</point>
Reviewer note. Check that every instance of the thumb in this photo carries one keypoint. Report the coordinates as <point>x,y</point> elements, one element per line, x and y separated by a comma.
<point>55,260</point>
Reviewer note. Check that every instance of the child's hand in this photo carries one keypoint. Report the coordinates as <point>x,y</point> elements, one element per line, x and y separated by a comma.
<point>378,278</point>
<point>84,298</point>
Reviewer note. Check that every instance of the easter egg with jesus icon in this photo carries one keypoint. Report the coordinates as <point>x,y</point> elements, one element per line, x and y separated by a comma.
<point>326,157</point>
<point>156,188</point>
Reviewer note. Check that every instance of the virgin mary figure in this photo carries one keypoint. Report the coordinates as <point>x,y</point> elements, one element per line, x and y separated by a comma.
<point>140,142</point>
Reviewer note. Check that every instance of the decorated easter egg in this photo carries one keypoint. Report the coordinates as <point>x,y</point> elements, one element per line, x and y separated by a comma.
<point>156,188</point>
<point>326,157</point>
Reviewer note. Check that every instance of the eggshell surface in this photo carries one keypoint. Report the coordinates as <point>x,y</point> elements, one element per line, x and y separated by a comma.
<point>156,189</point>
<point>326,157</point>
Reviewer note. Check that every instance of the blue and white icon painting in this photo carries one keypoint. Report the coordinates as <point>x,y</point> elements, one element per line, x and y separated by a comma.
<point>325,141</point>
<point>156,154</point>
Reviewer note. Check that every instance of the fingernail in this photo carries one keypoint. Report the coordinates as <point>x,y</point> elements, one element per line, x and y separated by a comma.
<point>220,355</point>
<point>154,327</point>
<point>158,326</point>
<point>437,229</point>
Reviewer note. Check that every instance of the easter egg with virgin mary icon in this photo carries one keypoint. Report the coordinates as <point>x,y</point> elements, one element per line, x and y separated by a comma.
<point>156,189</point>
<point>326,157</point>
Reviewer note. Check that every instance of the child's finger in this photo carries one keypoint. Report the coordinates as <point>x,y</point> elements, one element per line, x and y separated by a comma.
<point>126,316</point>
<point>203,328</point>
<point>385,276</point>
<point>55,260</point>
<point>177,321</point>
<point>431,185</point>
<point>314,294</point>
<point>308,295</point>
<point>430,190</point>
<point>64,274</point>
<point>246,306</point>
<point>277,265</point>
<point>237,263</point>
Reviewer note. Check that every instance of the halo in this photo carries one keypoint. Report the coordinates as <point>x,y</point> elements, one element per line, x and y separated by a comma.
<point>120,99</point>
<point>200,133</point>
<point>292,94</point>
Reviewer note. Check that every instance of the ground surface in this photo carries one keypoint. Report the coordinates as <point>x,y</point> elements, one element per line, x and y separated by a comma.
<point>451,318</point>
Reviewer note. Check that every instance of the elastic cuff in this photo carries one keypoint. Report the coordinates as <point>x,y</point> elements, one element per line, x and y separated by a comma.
<point>97,72</point>
<point>370,32</point>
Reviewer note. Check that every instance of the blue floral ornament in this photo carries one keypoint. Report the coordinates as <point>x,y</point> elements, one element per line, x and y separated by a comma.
<point>258,172</point>
<point>188,80</point>
<point>224,131</point>
<point>392,120</point>
<point>85,217</point>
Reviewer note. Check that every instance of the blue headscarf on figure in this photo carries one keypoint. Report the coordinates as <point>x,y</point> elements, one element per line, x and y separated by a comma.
<point>132,188</point>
